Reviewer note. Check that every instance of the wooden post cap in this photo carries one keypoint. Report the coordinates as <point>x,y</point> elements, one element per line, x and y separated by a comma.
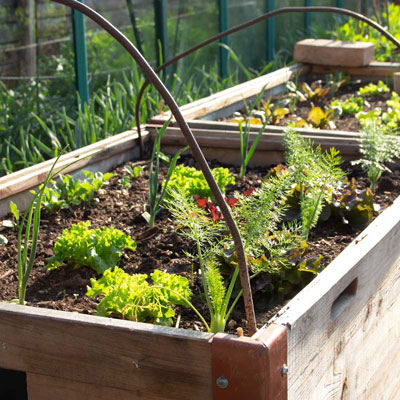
<point>334,52</point>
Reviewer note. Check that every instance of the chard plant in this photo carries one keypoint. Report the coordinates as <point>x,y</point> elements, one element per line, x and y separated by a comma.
<point>316,173</point>
<point>132,297</point>
<point>99,249</point>
<point>377,149</point>
<point>154,200</point>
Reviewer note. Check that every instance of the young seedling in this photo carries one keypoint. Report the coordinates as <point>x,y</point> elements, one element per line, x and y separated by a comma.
<point>12,223</point>
<point>3,240</point>
<point>154,200</point>
<point>134,172</point>
<point>32,219</point>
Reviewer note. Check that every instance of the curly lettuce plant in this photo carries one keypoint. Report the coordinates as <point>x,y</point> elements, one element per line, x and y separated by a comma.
<point>99,249</point>
<point>70,191</point>
<point>192,181</point>
<point>373,89</point>
<point>132,297</point>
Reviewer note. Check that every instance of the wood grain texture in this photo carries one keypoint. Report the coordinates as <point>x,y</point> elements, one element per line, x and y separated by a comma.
<point>334,52</point>
<point>42,387</point>
<point>153,362</point>
<point>237,93</point>
<point>374,71</point>
<point>350,351</point>
<point>30,177</point>
<point>224,143</point>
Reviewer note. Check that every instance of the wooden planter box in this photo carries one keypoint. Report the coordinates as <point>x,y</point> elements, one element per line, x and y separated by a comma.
<point>338,338</point>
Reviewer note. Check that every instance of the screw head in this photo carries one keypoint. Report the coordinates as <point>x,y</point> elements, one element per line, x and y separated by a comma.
<point>285,370</point>
<point>222,382</point>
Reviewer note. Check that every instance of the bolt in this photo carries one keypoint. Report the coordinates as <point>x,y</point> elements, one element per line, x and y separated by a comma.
<point>285,370</point>
<point>222,382</point>
<point>4,346</point>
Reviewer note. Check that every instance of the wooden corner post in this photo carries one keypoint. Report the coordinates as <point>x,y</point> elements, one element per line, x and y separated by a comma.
<point>247,368</point>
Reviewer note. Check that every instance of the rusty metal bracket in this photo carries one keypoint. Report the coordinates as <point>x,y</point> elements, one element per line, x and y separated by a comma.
<point>247,368</point>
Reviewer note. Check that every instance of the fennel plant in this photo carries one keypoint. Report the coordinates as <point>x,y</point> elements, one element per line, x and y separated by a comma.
<point>316,172</point>
<point>377,148</point>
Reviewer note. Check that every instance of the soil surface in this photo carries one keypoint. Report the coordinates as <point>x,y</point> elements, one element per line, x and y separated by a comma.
<point>160,247</point>
<point>345,122</point>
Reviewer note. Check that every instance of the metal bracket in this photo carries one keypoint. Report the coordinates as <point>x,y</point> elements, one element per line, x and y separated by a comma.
<point>247,368</point>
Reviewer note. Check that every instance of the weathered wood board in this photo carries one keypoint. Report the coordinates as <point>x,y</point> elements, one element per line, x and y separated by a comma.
<point>100,156</point>
<point>148,361</point>
<point>344,327</point>
<point>231,99</point>
<point>222,142</point>
<point>334,52</point>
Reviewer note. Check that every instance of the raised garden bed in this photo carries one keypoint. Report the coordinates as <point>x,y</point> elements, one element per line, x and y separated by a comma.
<point>342,313</point>
<point>208,117</point>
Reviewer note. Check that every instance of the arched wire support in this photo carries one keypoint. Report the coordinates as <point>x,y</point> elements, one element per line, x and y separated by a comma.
<point>254,21</point>
<point>197,153</point>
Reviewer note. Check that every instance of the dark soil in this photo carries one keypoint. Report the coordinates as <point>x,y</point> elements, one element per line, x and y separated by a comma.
<point>160,247</point>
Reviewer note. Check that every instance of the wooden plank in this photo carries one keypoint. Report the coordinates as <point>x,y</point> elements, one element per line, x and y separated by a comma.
<point>226,140</point>
<point>33,176</point>
<point>154,362</point>
<point>344,327</point>
<point>238,93</point>
<point>375,70</point>
<point>334,52</point>
<point>42,387</point>
<point>213,126</point>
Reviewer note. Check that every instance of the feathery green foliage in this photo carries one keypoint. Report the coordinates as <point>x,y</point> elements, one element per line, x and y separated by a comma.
<point>316,172</point>
<point>377,149</point>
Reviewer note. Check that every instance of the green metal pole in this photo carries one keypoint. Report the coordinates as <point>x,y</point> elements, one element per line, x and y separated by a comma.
<point>307,18</point>
<point>135,28</point>
<point>160,16</point>
<point>339,3</point>
<point>270,26</point>
<point>223,26</point>
<point>81,67</point>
